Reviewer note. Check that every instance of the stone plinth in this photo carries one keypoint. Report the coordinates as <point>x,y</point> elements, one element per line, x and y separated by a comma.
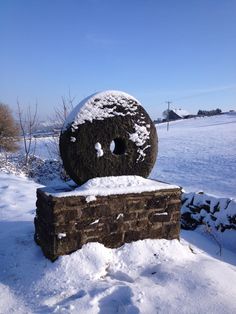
<point>66,220</point>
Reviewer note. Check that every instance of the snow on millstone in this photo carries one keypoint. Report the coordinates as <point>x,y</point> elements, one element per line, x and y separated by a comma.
<point>97,107</point>
<point>99,149</point>
<point>100,120</point>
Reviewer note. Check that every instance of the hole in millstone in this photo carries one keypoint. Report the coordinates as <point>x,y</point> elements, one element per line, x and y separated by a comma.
<point>118,146</point>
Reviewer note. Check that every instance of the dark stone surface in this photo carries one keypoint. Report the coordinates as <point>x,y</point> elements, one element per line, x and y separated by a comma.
<point>80,157</point>
<point>112,220</point>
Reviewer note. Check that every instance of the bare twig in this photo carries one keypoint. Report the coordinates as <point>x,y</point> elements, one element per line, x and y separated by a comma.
<point>209,231</point>
<point>28,122</point>
<point>61,114</point>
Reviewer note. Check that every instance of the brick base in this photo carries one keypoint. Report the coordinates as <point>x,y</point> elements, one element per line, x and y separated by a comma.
<point>64,224</point>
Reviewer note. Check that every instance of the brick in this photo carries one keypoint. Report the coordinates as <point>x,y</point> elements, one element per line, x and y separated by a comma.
<point>158,216</point>
<point>157,232</point>
<point>142,214</point>
<point>157,202</point>
<point>171,231</point>
<point>129,216</point>
<point>113,240</point>
<point>133,204</point>
<point>132,235</point>
<point>175,216</point>
<point>139,224</point>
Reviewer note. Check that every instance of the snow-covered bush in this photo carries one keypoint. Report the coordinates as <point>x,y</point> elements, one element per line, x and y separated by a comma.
<point>41,171</point>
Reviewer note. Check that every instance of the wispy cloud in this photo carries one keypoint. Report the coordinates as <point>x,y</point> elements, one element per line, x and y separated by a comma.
<point>214,89</point>
<point>200,92</point>
<point>180,94</point>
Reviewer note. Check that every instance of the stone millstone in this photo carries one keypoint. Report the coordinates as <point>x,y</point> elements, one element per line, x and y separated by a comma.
<point>108,134</point>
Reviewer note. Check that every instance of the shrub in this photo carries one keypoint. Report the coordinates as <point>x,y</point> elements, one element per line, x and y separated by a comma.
<point>9,130</point>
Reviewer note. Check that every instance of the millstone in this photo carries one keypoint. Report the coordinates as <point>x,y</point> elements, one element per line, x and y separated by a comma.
<point>108,134</point>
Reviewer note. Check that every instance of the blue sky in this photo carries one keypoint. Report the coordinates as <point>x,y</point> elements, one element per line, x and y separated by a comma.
<point>183,51</point>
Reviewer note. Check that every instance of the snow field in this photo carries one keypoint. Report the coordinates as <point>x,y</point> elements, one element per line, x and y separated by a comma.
<point>149,276</point>
<point>199,154</point>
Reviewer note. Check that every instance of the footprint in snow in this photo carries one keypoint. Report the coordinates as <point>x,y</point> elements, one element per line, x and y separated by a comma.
<point>80,294</point>
<point>119,275</point>
<point>157,274</point>
<point>58,301</point>
<point>4,187</point>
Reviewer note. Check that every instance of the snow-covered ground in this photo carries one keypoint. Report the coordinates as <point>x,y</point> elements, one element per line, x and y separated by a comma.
<point>199,154</point>
<point>150,276</point>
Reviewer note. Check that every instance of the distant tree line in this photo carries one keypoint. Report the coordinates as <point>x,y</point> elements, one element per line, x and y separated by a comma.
<point>209,112</point>
<point>171,115</point>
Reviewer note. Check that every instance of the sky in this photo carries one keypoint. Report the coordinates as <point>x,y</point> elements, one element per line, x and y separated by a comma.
<point>181,51</point>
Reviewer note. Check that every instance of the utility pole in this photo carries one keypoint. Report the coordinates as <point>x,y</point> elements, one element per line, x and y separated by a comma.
<point>168,113</point>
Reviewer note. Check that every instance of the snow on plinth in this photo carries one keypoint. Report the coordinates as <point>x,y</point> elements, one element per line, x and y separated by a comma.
<point>104,186</point>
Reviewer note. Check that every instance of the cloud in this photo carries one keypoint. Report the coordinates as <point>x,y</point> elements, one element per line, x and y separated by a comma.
<point>180,94</point>
<point>200,92</point>
<point>216,89</point>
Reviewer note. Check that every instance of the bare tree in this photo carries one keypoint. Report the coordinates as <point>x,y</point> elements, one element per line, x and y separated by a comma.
<point>28,121</point>
<point>9,130</point>
<point>61,113</point>
<point>63,110</point>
